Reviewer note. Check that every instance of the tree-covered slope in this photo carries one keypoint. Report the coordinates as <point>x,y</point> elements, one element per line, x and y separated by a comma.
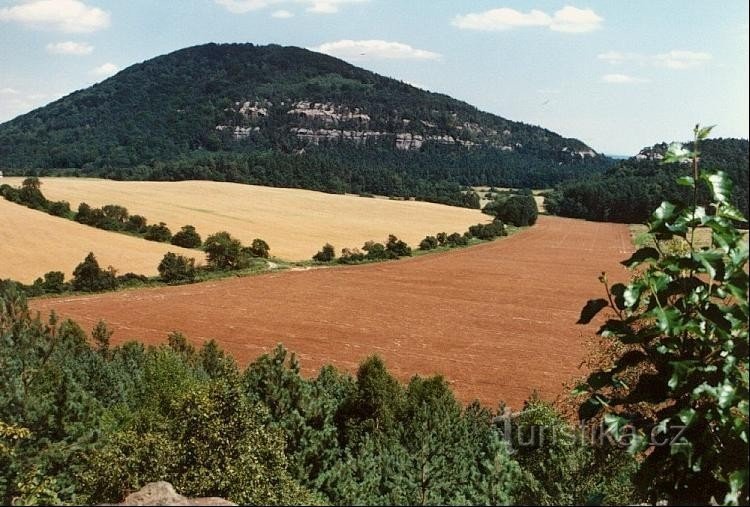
<point>627,192</point>
<point>265,107</point>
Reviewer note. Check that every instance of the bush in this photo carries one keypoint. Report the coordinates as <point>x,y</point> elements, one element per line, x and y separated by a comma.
<point>456,239</point>
<point>132,279</point>
<point>59,209</point>
<point>158,232</point>
<point>428,243</point>
<point>396,248</point>
<point>187,237</point>
<point>326,254</point>
<point>519,210</point>
<point>259,248</point>
<point>136,224</point>
<point>115,217</point>
<point>488,231</point>
<point>682,325</point>
<point>375,251</point>
<point>442,238</point>
<point>225,252</point>
<point>351,256</point>
<point>54,282</point>
<point>89,277</point>
<point>175,268</point>
<point>90,216</point>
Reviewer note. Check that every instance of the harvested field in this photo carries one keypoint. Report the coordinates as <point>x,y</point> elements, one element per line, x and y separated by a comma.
<point>497,320</point>
<point>295,223</point>
<point>33,243</point>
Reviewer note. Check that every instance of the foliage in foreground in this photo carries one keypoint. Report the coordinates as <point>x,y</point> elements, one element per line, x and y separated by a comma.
<point>84,423</point>
<point>680,386</point>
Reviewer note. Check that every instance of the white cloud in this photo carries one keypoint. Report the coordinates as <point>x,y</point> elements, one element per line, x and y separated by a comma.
<point>501,19</point>
<point>622,79</point>
<point>374,49</point>
<point>568,19</point>
<point>9,91</point>
<point>314,6</point>
<point>243,6</point>
<point>327,6</point>
<point>71,16</point>
<point>675,59</point>
<point>105,70</point>
<point>573,20</point>
<point>70,48</point>
<point>282,14</point>
<point>681,60</point>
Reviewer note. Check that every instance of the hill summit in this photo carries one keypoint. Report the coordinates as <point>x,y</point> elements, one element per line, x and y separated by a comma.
<point>249,99</point>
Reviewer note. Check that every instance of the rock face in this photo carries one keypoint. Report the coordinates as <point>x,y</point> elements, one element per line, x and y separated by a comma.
<point>163,493</point>
<point>326,122</point>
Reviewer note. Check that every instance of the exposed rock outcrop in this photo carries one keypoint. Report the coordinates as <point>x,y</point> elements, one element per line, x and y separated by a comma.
<point>163,493</point>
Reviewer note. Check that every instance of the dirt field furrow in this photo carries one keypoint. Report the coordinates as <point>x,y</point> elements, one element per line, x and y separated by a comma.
<point>497,320</point>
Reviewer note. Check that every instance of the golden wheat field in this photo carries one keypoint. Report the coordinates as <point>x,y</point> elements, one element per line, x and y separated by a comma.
<point>33,243</point>
<point>295,223</point>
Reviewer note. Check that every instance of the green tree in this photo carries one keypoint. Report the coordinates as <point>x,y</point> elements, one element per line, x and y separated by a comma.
<point>682,381</point>
<point>326,254</point>
<point>89,277</point>
<point>158,232</point>
<point>175,268</point>
<point>187,237</point>
<point>224,252</point>
<point>259,248</point>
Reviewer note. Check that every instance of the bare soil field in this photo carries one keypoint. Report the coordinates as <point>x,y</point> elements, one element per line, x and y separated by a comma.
<point>295,223</point>
<point>33,243</point>
<point>497,319</point>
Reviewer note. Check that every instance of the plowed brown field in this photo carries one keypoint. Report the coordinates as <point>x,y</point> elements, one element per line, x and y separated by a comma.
<point>497,320</point>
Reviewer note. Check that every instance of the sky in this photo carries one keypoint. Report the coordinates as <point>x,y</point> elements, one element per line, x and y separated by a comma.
<point>619,75</point>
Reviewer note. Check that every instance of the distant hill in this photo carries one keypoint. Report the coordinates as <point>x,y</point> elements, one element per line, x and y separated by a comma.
<point>284,116</point>
<point>631,190</point>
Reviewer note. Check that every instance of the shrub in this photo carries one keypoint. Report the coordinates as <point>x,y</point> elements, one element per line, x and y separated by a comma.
<point>682,323</point>
<point>115,217</point>
<point>351,256</point>
<point>326,254</point>
<point>396,248</point>
<point>225,252</point>
<point>488,231</point>
<point>136,224</point>
<point>375,251</point>
<point>158,232</point>
<point>519,210</point>
<point>442,238</point>
<point>428,243</point>
<point>89,277</point>
<point>187,237</point>
<point>259,248</point>
<point>90,216</point>
<point>59,209</point>
<point>132,279</point>
<point>456,239</point>
<point>54,282</point>
<point>175,268</point>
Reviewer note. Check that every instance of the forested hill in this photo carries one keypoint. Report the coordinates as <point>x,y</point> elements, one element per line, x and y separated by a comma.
<point>629,191</point>
<point>266,114</point>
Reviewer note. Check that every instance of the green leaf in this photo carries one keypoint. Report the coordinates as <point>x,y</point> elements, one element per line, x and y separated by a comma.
<point>593,306</point>
<point>686,181</point>
<point>727,210</point>
<point>720,184</point>
<point>640,256</point>
<point>702,132</point>
<point>676,154</point>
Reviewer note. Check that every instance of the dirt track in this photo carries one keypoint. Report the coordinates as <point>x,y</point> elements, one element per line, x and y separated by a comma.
<point>497,320</point>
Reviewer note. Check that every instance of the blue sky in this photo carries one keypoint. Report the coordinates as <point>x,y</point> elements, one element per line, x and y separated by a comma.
<point>618,75</point>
